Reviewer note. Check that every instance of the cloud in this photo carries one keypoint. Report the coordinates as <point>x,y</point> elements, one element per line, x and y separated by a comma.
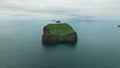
<point>57,9</point>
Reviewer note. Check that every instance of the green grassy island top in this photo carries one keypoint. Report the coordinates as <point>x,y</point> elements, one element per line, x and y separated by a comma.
<point>60,29</point>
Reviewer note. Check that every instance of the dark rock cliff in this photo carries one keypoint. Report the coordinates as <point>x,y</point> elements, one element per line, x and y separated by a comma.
<point>52,38</point>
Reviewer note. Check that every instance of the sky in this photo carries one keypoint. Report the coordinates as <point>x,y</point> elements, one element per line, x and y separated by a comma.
<point>58,9</point>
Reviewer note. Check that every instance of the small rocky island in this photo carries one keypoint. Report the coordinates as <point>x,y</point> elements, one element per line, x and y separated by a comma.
<point>57,33</point>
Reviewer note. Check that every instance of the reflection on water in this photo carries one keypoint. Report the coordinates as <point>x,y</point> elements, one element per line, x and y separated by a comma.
<point>57,44</point>
<point>68,45</point>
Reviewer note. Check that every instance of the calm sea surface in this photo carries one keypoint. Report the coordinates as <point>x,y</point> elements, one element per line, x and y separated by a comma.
<point>98,46</point>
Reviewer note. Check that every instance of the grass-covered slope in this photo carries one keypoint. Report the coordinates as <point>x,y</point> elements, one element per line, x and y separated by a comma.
<point>60,29</point>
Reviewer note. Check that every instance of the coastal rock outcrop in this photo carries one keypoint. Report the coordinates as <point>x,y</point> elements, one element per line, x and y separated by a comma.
<point>57,33</point>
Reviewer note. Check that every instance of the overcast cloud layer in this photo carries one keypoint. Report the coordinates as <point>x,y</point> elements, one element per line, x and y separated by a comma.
<point>58,9</point>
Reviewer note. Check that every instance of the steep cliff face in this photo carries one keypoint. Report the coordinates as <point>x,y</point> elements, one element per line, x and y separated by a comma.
<point>57,33</point>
